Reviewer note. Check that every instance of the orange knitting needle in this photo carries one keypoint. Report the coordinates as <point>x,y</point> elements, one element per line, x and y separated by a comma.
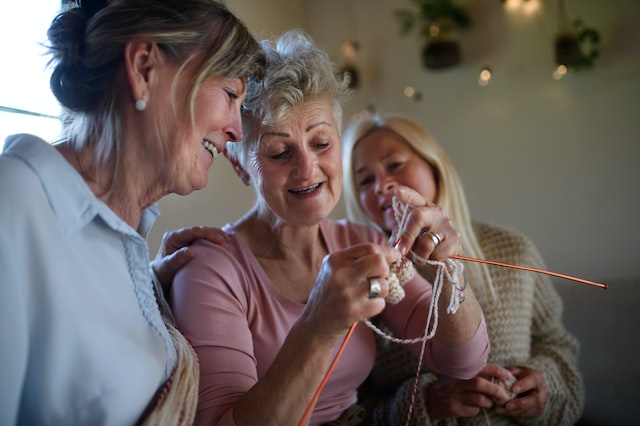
<point>528,268</point>
<point>316,395</point>
<point>309,409</point>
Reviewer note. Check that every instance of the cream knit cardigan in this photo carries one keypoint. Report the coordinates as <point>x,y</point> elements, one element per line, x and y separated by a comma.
<point>525,328</point>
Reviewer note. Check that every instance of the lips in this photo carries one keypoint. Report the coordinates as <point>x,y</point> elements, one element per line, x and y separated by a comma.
<point>305,190</point>
<point>209,146</point>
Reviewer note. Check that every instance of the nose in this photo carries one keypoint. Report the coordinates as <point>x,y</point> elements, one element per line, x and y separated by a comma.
<point>305,163</point>
<point>233,130</point>
<point>384,184</point>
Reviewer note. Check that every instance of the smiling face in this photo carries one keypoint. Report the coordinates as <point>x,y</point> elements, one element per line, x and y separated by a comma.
<point>382,160</point>
<point>195,143</point>
<point>297,165</point>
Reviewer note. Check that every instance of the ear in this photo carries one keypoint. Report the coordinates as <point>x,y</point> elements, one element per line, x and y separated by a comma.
<point>240,171</point>
<point>141,60</point>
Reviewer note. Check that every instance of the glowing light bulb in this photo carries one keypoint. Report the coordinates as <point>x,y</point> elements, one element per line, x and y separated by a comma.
<point>412,93</point>
<point>485,76</point>
<point>560,72</point>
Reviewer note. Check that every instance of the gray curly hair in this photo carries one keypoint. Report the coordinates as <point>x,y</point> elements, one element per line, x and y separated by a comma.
<point>297,71</point>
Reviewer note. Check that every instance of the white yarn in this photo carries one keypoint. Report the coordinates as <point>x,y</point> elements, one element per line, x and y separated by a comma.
<point>450,269</point>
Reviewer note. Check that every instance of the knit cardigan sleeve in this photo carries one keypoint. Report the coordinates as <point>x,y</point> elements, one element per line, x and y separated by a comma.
<point>526,329</point>
<point>554,351</point>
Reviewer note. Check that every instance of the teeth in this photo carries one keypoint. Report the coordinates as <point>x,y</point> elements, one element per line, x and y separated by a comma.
<point>211,148</point>
<point>305,190</point>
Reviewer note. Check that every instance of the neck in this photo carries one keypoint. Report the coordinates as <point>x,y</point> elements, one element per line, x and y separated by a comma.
<point>118,185</point>
<point>271,238</point>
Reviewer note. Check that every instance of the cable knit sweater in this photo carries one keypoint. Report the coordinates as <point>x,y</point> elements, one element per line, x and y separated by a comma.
<point>525,329</point>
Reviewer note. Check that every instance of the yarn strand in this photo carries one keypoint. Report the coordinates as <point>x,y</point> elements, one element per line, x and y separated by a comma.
<point>401,210</point>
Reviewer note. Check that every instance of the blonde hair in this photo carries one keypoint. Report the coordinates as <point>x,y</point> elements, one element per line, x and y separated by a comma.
<point>450,193</point>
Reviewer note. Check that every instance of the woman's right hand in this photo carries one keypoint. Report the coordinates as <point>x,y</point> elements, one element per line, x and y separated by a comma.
<point>448,397</point>
<point>174,251</point>
<point>340,295</point>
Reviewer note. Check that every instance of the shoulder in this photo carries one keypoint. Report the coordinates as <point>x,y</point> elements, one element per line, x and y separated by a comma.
<point>21,189</point>
<point>506,244</point>
<point>213,254</point>
<point>14,169</point>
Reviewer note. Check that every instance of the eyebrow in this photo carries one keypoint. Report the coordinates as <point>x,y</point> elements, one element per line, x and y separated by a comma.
<point>384,157</point>
<point>307,129</point>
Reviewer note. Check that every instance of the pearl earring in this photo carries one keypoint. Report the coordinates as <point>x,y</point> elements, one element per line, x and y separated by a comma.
<point>141,104</point>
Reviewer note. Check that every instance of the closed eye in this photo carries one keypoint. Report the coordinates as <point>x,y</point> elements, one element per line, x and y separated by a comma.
<point>395,165</point>
<point>367,180</point>
<point>280,156</point>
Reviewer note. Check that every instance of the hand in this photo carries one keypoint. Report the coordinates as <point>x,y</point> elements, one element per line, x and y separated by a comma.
<point>340,294</point>
<point>421,217</point>
<point>448,397</point>
<point>174,251</point>
<point>532,394</point>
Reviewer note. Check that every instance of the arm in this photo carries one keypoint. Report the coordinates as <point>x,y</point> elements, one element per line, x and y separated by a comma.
<point>550,379</point>
<point>14,334</point>
<point>460,346</point>
<point>213,306</point>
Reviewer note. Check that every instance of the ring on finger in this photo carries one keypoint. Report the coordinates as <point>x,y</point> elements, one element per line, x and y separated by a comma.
<point>374,288</point>
<point>436,239</point>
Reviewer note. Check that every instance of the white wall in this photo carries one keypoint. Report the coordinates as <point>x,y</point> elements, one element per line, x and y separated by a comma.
<point>555,159</point>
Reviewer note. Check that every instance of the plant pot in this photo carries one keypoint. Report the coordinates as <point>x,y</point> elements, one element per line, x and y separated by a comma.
<point>567,50</point>
<point>439,54</point>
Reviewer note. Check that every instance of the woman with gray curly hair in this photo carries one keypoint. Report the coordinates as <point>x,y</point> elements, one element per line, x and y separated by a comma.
<point>151,91</point>
<point>267,311</point>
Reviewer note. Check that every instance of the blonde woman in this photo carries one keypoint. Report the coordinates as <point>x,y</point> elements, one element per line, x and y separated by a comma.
<point>523,311</point>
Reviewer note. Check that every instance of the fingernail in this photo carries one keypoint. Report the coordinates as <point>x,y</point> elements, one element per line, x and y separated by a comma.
<point>401,247</point>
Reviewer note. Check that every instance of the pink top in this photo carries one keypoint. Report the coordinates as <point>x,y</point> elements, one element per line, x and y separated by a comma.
<point>237,320</point>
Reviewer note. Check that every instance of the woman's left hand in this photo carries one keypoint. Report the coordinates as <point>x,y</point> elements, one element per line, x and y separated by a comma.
<point>532,394</point>
<point>426,229</point>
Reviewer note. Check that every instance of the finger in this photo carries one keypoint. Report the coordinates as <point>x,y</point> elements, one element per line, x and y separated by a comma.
<point>377,288</point>
<point>215,235</point>
<point>167,267</point>
<point>366,251</point>
<point>490,371</point>
<point>409,196</point>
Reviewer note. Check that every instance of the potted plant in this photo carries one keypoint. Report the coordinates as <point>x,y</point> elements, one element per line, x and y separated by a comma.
<point>435,20</point>
<point>576,45</point>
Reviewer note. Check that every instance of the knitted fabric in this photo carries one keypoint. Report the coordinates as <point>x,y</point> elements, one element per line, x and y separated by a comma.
<point>176,402</point>
<point>525,328</point>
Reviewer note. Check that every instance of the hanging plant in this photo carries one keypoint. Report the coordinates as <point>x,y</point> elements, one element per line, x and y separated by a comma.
<point>577,46</point>
<point>579,49</point>
<point>434,21</point>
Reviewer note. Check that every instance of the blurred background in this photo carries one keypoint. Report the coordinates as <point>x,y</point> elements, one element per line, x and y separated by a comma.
<point>550,151</point>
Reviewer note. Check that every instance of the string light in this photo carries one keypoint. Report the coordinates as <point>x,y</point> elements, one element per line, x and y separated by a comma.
<point>560,72</point>
<point>485,76</point>
<point>526,7</point>
<point>411,93</point>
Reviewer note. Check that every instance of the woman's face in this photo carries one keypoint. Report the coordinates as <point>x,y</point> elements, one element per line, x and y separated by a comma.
<point>216,120</point>
<point>383,160</point>
<point>296,164</point>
